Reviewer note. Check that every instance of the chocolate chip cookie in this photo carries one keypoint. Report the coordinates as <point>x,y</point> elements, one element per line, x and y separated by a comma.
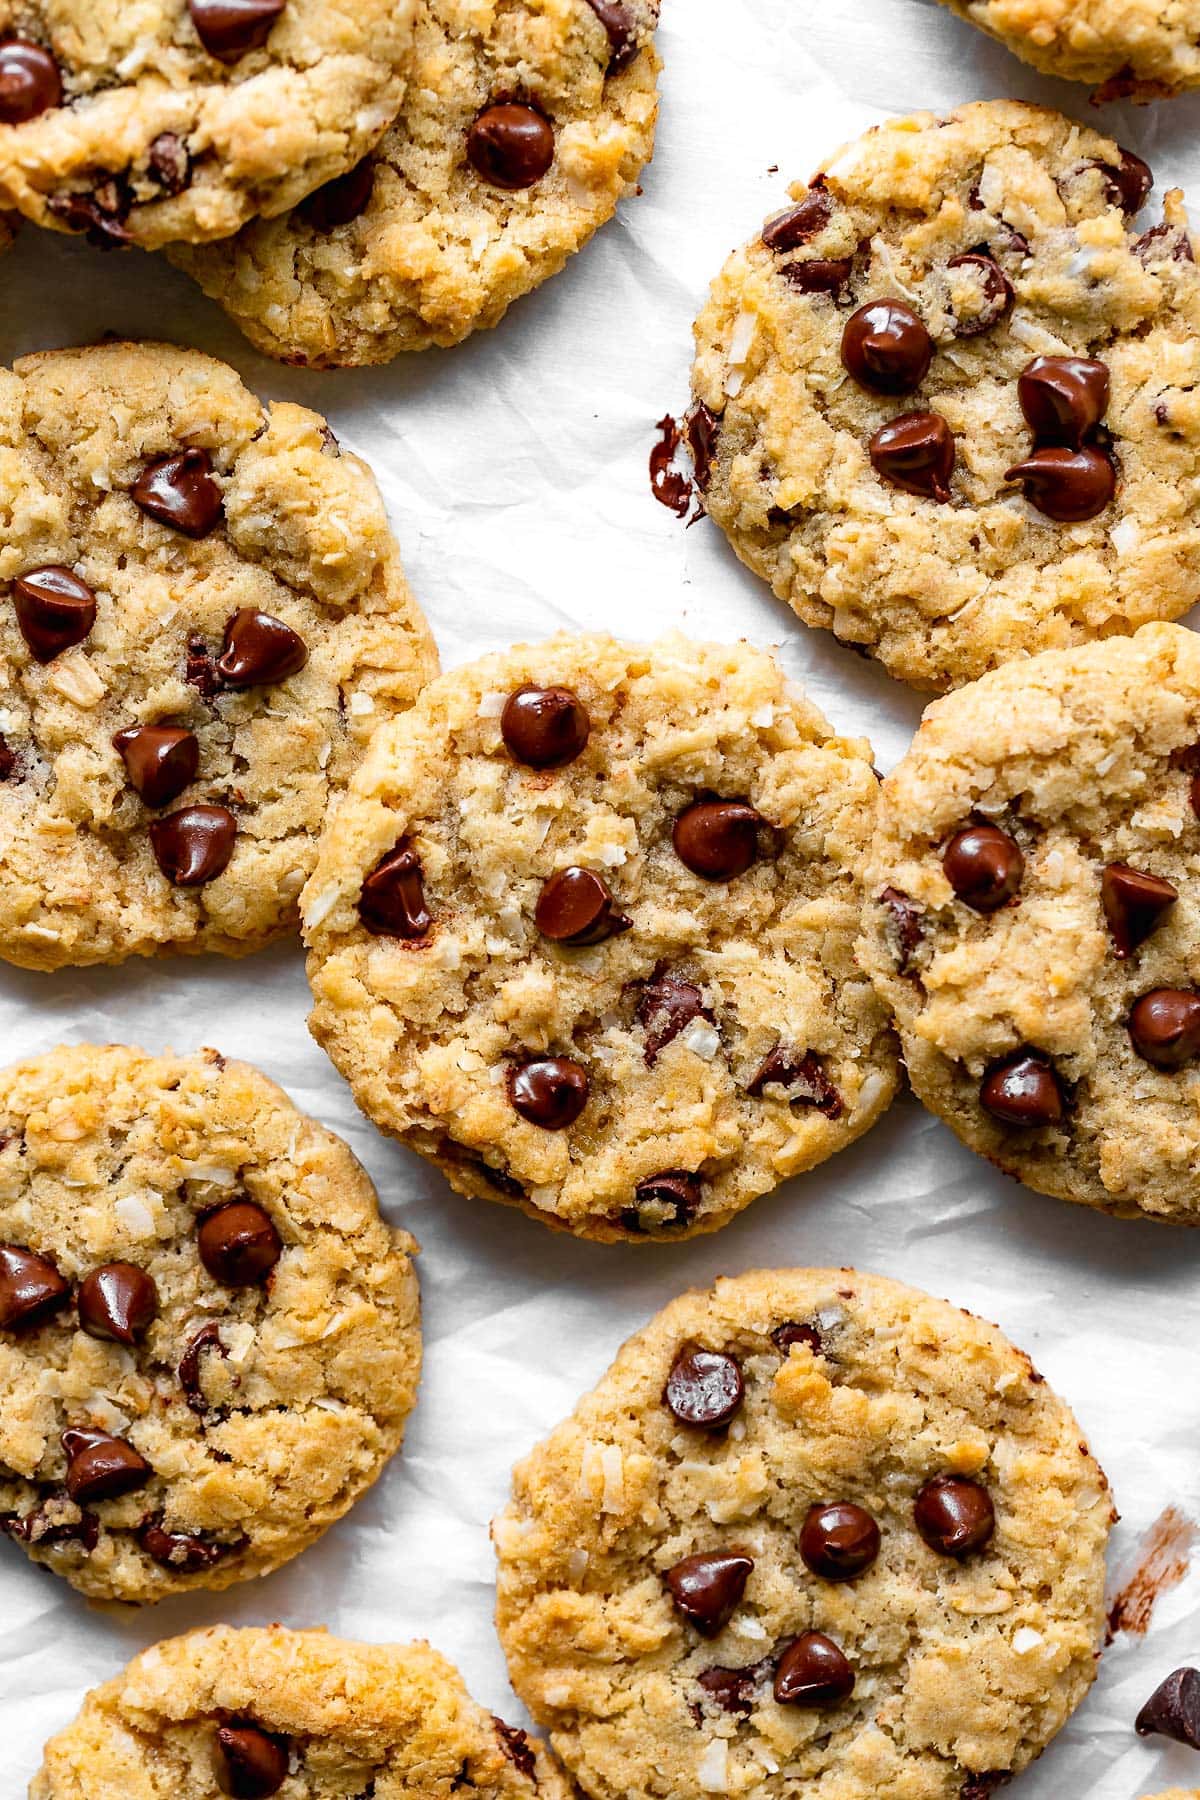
<point>1033,922</point>
<point>813,1531</point>
<point>181,119</point>
<point>260,1712</point>
<point>202,616</point>
<point>209,1341</point>
<point>1134,49</point>
<point>945,403</point>
<point>524,124</point>
<point>582,934</point>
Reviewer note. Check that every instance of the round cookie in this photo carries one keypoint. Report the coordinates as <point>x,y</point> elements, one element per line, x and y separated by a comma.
<point>944,403</point>
<point>813,1531</point>
<point>582,934</point>
<point>524,124</point>
<point>209,1341</point>
<point>1033,920</point>
<point>257,1712</point>
<point>202,616</point>
<point>1135,49</point>
<point>181,119</point>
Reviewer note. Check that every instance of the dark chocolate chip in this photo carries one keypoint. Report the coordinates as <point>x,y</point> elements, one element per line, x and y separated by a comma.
<point>702,427</point>
<point>208,1337</point>
<point>180,491</point>
<point>794,1331</point>
<point>193,845</point>
<point>954,1516</point>
<point>259,650</point>
<point>677,1190</point>
<point>813,1672</point>
<point>789,230</point>
<point>1023,1090</point>
<point>160,760</point>
<point>200,671</point>
<point>1063,398</point>
<point>511,146</point>
<point>544,728</point>
<point>1165,1027</point>
<point>392,902</point>
<point>229,29</point>
<point>549,1091</point>
<point>984,866</point>
<point>341,201</point>
<point>621,27</point>
<point>669,485</point>
<point>238,1244</point>
<point>29,81</point>
<point>708,1589</point>
<point>1134,903</point>
<point>983,1785</point>
<point>804,1078</point>
<point>100,216</point>
<point>169,163</point>
<point>820,276</point>
<point>1164,243</point>
<point>1173,1709</point>
<point>516,1747</point>
<point>1127,183</point>
<point>117,1301</point>
<point>717,839</point>
<point>904,926</point>
<point>55,610</point>
<point>1069,486</point>
<point>667,1006</point>
<point>916,454</point>
<point>56,1521</point>
<point>8,759</point>
<point>886,348</point>
<point>733,1690</point>
<point>31,1288</point>
<point>705,1387</point>
<point>996,293</point>
<point>576,907</point>
<point>182,1551</point>
<point>839,1541</point>
<point>101,1466</point>
<point>250,1763</point>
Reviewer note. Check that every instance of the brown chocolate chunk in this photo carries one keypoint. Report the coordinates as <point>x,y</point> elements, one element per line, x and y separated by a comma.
<point>118,1301</point>
<point>544,728</point>
<point>181,492</point>
<point>250,1763</point>
<point>259,650</point>
<point>55,610</point>
<point>31,1288</point>
<point>1164,243</point>
<point>707,1589</point>
<point>702,428</point>
<point>1063,398</point>
<point>229,29</point>
<point>984,866</point>
<point>621,26</point>
<point>954,1516</point>
<point>804,1078</point>
<point>169,163</point>
<point>30,82</point>
<point>677,1189</point>
<point>184,1552</point>
<point>238,1244</point>
<point>904,927</point>
<point>818,276</point>
<point>1165,1027</point>
<point>1066,485</point>
<point>576,907</point>
<point>193,845</point>
<point>342,200</point>
<point>916,454</point>
<point>101,1466</point>
<point>1173,1709</point>
<point>99,216</point>
<point>718,839</point>
<point>733,1690</point>
<point>1135,904</point>
<point>57,1520</point>
<point>789,230</point>
<point>200,670</point>
<point>511,146</point>
<point>704,1387</point>
<point>1023,1090</point>
<point>996,292</point>
<point>813,1672</point>
<point>669,485</point>
<point>516,1746</point>
<point>839,1541</point>
<point>886,348</point>
<point>549,1091</point>
<point>208,1337</point>
<point>1127,183</point>
<point>667,1006</point>
<point>392,902</point>
<point>795,1331</point>
<point>160,760</point>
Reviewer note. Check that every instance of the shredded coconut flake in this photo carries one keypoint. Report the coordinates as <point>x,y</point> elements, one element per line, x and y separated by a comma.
<point>613,1464</point>
<point>361,704</point>
<point>701,1039</point>
<point>135,1215</point>
<point>1026,1639</point>
<point>741,339</point>
<point>1124,536</point>
<point>713,1771</point>
<point>491,705</point>
<point>210,1172</point>
<point>577,1563</point>
<point>321,905</point>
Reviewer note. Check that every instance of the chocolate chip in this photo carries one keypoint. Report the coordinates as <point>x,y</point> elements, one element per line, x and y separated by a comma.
<point>839,1541</point>
<point>984,866</point>
<point>200,670</point>
<point>101,1466</point>
<point>342,200</point>
<point>667,1006</point>
<point>669,485</point>
<point>705,1387</point>
<point>8,759</point>
<point>818,276</point>
<point>983,1785</point>
<point>31,1288</point>
<point>954,1516</point>
<point>916,454</point>
<point>180,491</point>
<point>549,1091</point>
<point>995,290</point>
<point>511,146</point>
<point>1069,486</point>
<point>788,230</point>
<point>1134,905</point>
<point>160,760</point>
<point>392,902</point>
<point>1164,243</point>
<point>516,1747</point>
<point>45,1525</point>
<point>238,1244</point>
<point>803,1077</point>
<point>29,81</point>
<point>169,163</point>
<point>575,907</point>
<point>702,428</point>
<point>674,1192</point>
<point>182,1551</point>
<point>708,1589</point>
<point>813,1672</point>
<point>904,927</point>
<point>228,29</point>
<point>621,26</point>
<point>55,610</point>
<point>208,1337</point>
<point>1023,1090</point>
<point>1127,183</point>
<point>544,728</point>
<point>193,845</point>
<point>117,1301</point>
<point>259,650</point>
<point>795,1332</point>
<point>100,215</point>
<point>717,839</point>
<point>886,348</point>
<point>1063,398</point>
<point>733,1690</point>
<point>1173,1709</point>
<point>250,1763</point>
<point>1165,1027</point>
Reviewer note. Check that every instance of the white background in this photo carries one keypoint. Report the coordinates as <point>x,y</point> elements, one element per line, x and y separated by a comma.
<point>515,471</point>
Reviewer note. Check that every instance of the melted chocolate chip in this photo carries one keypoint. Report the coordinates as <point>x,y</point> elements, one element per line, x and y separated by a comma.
<point>575,907</point>
<point>1023,1090</point>
<point>904,927</point>
<point>704,1388</point>
<point>669,485</point>
<point>813,1672</point>
<point>250,1763</point>
<point>117,1301</point>
<point>55,610</point>
<point>550,1091</point>
<point>46,1525</point>
<point>511,146</point>
<point>200,670</point>
<point>667,1006</point>
<point>621,27</point>
<point>180,491</point>
<point>392,902</point>
<point>193,845</point>
<point>677,1190</point>
<point>102,1467</point>
<point>1069,486</point>
<point>169,163</point>
<point>707,1589</point>
<point>181,1551</point>
<point>839,1541</point>
<point>733,1690</point>
<point>229,29</point>
<point>886,348</point>
<point>8,759</point>
<point>160,760</point>
<point>984,866</point>
<point>30,83</point>
<point>954,1516</point>
<point>1173,1709</point>
<point>1164,243</point>
<point>1127,183</point>
<point>100,216</point>
<point>717,839</point>
<point>818,276</point>
<point>794,1331</point>
<point>803,1077</point>
<point>544,728</point>
<point>1135,904</point>
<point>31,1288</point>
<point>1164,1026</point>
<point>1063,398</point>
<point>789,230</point>
<point>995,290</point>
<point>916,454</point>
<point>702,427</point>
<point>342,200</point>
<point>515,1744</point>
<point>208,1337</point>
<point>238,1244</point>
<point>259,650</point>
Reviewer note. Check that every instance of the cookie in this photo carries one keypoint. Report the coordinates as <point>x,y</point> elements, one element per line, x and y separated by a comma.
<point>582,934</point>
<point>944,402</point>
<point>259,1712</point>
<point>525,123</point>
<point>209,1341</point>
<point>202,616</point>
<point>1033,921</point>
<point>813,1531</point>
<point>1134,49</point>
<point>182,119</point>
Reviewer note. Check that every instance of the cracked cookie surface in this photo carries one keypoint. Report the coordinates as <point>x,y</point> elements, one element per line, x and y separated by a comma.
<point>179,559</point>
<point>1032,920</point>
<point>167,120</point>
<point>296,1712</point>
<point>209,1340</point>
<point>525,122</point>
<point>1133,49</point>
<point>812,1531</point>
<point>886,470</point>
<point>582,934</point>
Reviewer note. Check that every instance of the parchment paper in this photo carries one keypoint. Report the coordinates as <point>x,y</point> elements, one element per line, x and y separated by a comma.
<point>515,471</point>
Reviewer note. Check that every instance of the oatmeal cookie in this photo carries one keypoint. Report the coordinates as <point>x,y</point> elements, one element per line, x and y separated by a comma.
<point>1132,49</point>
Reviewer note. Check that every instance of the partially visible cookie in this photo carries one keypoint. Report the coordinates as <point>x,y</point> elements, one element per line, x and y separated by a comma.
<point>259,1712</point>
<point>1033,919</point>
<point>209,1340</point>
<point>813,1532</point>
<point>582,934</point>
<point>202,616</point>
<point>1134,49</point>
<point>946,403</point>
<point>184,118</point>
<point>525,122</point>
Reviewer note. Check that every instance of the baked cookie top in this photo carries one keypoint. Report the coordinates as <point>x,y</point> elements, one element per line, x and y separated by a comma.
<point>946,403</point>
<point>202,615</point>
<point>582,933</point>
<point>1032,919</point>
<point>259,1712</point>
<point>209,1341</point>
<point>1136,49</point>
<point>184,118</point>
<point>524,123</point>
<point>812,1531</point>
